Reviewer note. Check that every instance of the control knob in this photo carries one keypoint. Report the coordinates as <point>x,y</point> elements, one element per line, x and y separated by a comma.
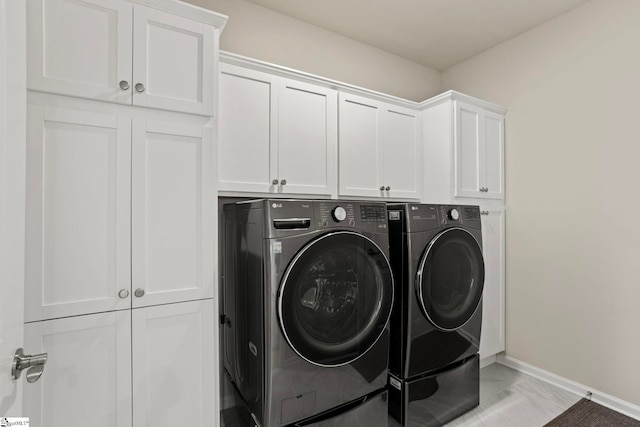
<point>339,214</point>
<point>453,214</point>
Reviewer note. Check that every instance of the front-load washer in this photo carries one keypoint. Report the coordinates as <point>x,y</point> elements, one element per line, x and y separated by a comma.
<point>436,255</point>
<point>308,292</point>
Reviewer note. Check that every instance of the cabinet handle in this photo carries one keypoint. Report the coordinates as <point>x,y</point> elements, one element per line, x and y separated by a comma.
<point>139,292</point>
<point>275,182</point>
<point>382,188</point>
<point>140,87</point>
<point>388,188</point>
<point>283,182</point>
<point>124,85</point>
<point>123,293</point>
<point>484,212</point>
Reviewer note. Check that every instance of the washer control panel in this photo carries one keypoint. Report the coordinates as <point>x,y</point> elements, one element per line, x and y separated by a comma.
<point>370,216</point>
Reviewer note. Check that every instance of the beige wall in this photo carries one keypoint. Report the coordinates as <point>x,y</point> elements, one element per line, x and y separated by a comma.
<point>572,88</point>
<point>260,33</point>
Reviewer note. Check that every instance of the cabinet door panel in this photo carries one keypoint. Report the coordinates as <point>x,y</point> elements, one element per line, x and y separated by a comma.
<point>402,153</point>
<point>173,59</point>
<point>307,138</point>
<point>172,240</point>
<point>359,146</point>
<point>247,130</point>
<point>467,164</point>
<point>494,155</point>
<point>78,212</point>
<point>173,371</point>
<point>87,377</point>
<point>492,340</point>
<point>80,47</point>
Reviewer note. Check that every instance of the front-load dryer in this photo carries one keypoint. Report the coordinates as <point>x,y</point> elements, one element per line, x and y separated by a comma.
<point>436,255</point>
<point>308,292</point>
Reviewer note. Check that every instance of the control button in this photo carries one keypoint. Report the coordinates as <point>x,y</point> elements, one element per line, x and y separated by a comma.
<point>339,214</point>
<point>324,223</point>
<point>352,222</point>
<point>454,214</point>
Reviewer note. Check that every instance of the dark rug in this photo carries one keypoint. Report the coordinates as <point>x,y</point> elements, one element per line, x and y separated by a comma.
<point>586,413</point>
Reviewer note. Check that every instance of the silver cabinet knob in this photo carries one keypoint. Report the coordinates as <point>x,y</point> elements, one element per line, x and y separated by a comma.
<point>139,87</point>
<point>124,85</point>
<point>34,364</point>
<point>123,293</point>
<point>139,292</point>
<point>382,188</point>
<point>283,182</point>
<point>275,182</point>
<point>387,188</point>
<point>484,212</point>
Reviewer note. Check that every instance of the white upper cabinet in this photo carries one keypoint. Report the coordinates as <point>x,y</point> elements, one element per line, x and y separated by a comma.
<point>464,149</point>
<point>492,340</point>
<point>276,135</point>
<point>78,212</point>
<point>118,51</point>
<point>380,149</point>
<point>479,152</point>
<point>172,206</point>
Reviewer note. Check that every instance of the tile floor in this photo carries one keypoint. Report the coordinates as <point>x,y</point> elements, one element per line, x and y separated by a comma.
<point>512,399</point>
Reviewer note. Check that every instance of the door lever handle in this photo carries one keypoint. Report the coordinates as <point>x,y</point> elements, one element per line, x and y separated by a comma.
<point>34,365</point>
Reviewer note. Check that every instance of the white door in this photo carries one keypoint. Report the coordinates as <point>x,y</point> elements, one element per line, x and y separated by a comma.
<point>87,378</point>
<point>173,212</point>
<point>467,150</point>
<point>80,48</point>
<point>173,365</point>
<point>247,131</point>
<point>307,138</point>
<point>493,147</point>
<point>402,148</point>
<point>172,62</point>
<point>78,213</point>
<point>359,142</point>
<point>12,194</point>
<point>492,340</point>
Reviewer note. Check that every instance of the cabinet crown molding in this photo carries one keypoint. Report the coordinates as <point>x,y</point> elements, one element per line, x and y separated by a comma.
<point>452,95</point>
<point>193,12</point>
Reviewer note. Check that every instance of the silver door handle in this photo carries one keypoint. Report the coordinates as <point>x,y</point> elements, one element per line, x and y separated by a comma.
<point>139,87</point>
<point>34,364</point>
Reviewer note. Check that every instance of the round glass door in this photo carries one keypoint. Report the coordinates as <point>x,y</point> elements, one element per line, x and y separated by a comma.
<point>335,298</point>
<point>450,279</point>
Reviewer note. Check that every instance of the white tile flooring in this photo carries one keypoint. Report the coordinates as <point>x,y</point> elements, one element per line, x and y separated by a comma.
<point>512,399</point>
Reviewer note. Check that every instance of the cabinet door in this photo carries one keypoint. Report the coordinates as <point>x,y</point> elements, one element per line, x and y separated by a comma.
<point>172,62</point>
<point>402,153</point>
<point>307,138</point>
<point>360,166</point>
<point>87,377</point>
<point>468,181</point>
<point>247,131</point>
<point>492,339</point>
<point>493,155</point>
<point>80,47</point>
<point>172,212</point>
<point>77,213</point>
<point>173,370</point>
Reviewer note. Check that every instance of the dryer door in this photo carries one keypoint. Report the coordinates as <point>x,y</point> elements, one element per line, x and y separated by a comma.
<point>450,279</point>
<point>335,298</point>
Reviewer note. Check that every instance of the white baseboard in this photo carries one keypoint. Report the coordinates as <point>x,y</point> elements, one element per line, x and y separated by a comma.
<point>582,390</point>
<point>488,361</point>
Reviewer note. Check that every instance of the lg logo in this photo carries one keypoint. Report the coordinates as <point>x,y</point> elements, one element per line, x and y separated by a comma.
<point>276,205</point>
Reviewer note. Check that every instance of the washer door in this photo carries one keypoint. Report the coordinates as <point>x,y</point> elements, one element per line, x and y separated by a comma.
<point>450,279</point>
<point>335,298</point>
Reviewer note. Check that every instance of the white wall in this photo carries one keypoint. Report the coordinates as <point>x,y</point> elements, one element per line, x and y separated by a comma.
<point>572,89</point>
<point>260,33</point>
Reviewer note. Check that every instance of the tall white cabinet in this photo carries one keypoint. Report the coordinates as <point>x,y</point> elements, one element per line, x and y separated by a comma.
<point>121,212</point>
<point>464,164</point>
